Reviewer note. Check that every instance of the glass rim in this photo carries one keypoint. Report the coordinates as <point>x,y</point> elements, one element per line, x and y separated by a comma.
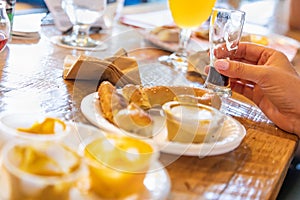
<point>167,108</point>
<point>228,10</point>
<point>154,154</point>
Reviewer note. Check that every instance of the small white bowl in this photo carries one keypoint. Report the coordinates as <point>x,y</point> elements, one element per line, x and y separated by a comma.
<point>34,183</point>
<point>192,122</point>
<point>9,124</point>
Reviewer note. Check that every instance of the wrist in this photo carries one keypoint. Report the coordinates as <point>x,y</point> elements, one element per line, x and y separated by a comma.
<point>297,127</point>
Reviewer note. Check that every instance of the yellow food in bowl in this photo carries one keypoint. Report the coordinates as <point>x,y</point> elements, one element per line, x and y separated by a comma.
<point>40,171</point>
<point>45,127</point>
<point>118,165</point>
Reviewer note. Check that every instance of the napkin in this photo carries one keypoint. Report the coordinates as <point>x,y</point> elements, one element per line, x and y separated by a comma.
<point>148,20</point>
<point>119,69</point>
<point>27,26</point>
<point>196,68</point>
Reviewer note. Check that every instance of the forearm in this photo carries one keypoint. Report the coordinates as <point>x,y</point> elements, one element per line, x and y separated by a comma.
<point>297,121</point>
<point>297,128</point>
<point>294,18</point>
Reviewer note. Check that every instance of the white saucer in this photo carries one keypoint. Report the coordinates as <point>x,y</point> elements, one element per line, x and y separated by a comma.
<point>230,138</point>
<point>57,41</point>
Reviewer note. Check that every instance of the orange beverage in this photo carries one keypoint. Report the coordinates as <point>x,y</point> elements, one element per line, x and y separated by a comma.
<point>192,13</point>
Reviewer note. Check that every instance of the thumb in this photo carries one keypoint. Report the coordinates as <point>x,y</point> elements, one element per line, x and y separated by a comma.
<point>239,70</point>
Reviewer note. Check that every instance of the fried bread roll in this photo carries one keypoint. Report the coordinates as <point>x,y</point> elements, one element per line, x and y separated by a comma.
<point>147,97</point>
<point>111,102</point>
<point>135,119</point>
<point>116,109</point>
<point>136,94</point>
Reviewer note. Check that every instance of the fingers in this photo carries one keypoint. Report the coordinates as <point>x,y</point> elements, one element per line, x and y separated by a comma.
<point>206,69</point>
<point>246,52</point>
<point>240,70</point>
<point>248,88</point>
<point>243,87</point>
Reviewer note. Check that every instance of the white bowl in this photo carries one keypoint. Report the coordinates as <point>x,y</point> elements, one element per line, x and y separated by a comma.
<point>9,124</point>
<point>192,122</point>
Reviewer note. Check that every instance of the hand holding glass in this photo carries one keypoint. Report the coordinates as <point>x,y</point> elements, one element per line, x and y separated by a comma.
<point>82,14</point>
<point>226,28</point>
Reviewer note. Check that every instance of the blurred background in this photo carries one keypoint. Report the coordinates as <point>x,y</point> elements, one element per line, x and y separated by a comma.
<point>260,13</point>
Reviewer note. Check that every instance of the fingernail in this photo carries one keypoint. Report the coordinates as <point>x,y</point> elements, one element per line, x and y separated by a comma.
<point>222,64</point>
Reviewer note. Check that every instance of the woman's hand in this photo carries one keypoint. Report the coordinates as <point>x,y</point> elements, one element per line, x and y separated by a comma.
<point>267,77</point>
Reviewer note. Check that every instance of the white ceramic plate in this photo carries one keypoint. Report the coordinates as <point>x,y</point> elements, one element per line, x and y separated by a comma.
<point>194,45</point>
<point>230,138</point>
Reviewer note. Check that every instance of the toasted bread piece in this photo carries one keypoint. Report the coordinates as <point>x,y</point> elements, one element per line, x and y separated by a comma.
<point>147,97</point>
<point>136,94</point>
<point>135,119</point>
<point>110,100</point>
<point>116,109</point>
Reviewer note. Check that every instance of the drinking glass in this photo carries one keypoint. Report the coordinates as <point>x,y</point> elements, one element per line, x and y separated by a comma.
<point>82,14</point>
<point>225,30</point>
<point>187,15</point>
<point>112,12</point>
<point>5,27</point>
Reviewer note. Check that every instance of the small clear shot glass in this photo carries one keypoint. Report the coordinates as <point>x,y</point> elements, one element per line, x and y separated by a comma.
<point>46,170</point>
<point>225,32</point>
<point>117,165</point>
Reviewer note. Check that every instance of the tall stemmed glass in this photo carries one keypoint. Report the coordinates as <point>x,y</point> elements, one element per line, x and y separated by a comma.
<point>82,14</point>
<point>187,15</point>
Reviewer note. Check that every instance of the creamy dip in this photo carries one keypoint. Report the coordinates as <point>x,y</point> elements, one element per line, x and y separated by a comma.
<point>191,112</point>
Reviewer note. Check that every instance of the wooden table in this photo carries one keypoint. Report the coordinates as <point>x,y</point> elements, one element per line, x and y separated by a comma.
<point>31,80</point>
